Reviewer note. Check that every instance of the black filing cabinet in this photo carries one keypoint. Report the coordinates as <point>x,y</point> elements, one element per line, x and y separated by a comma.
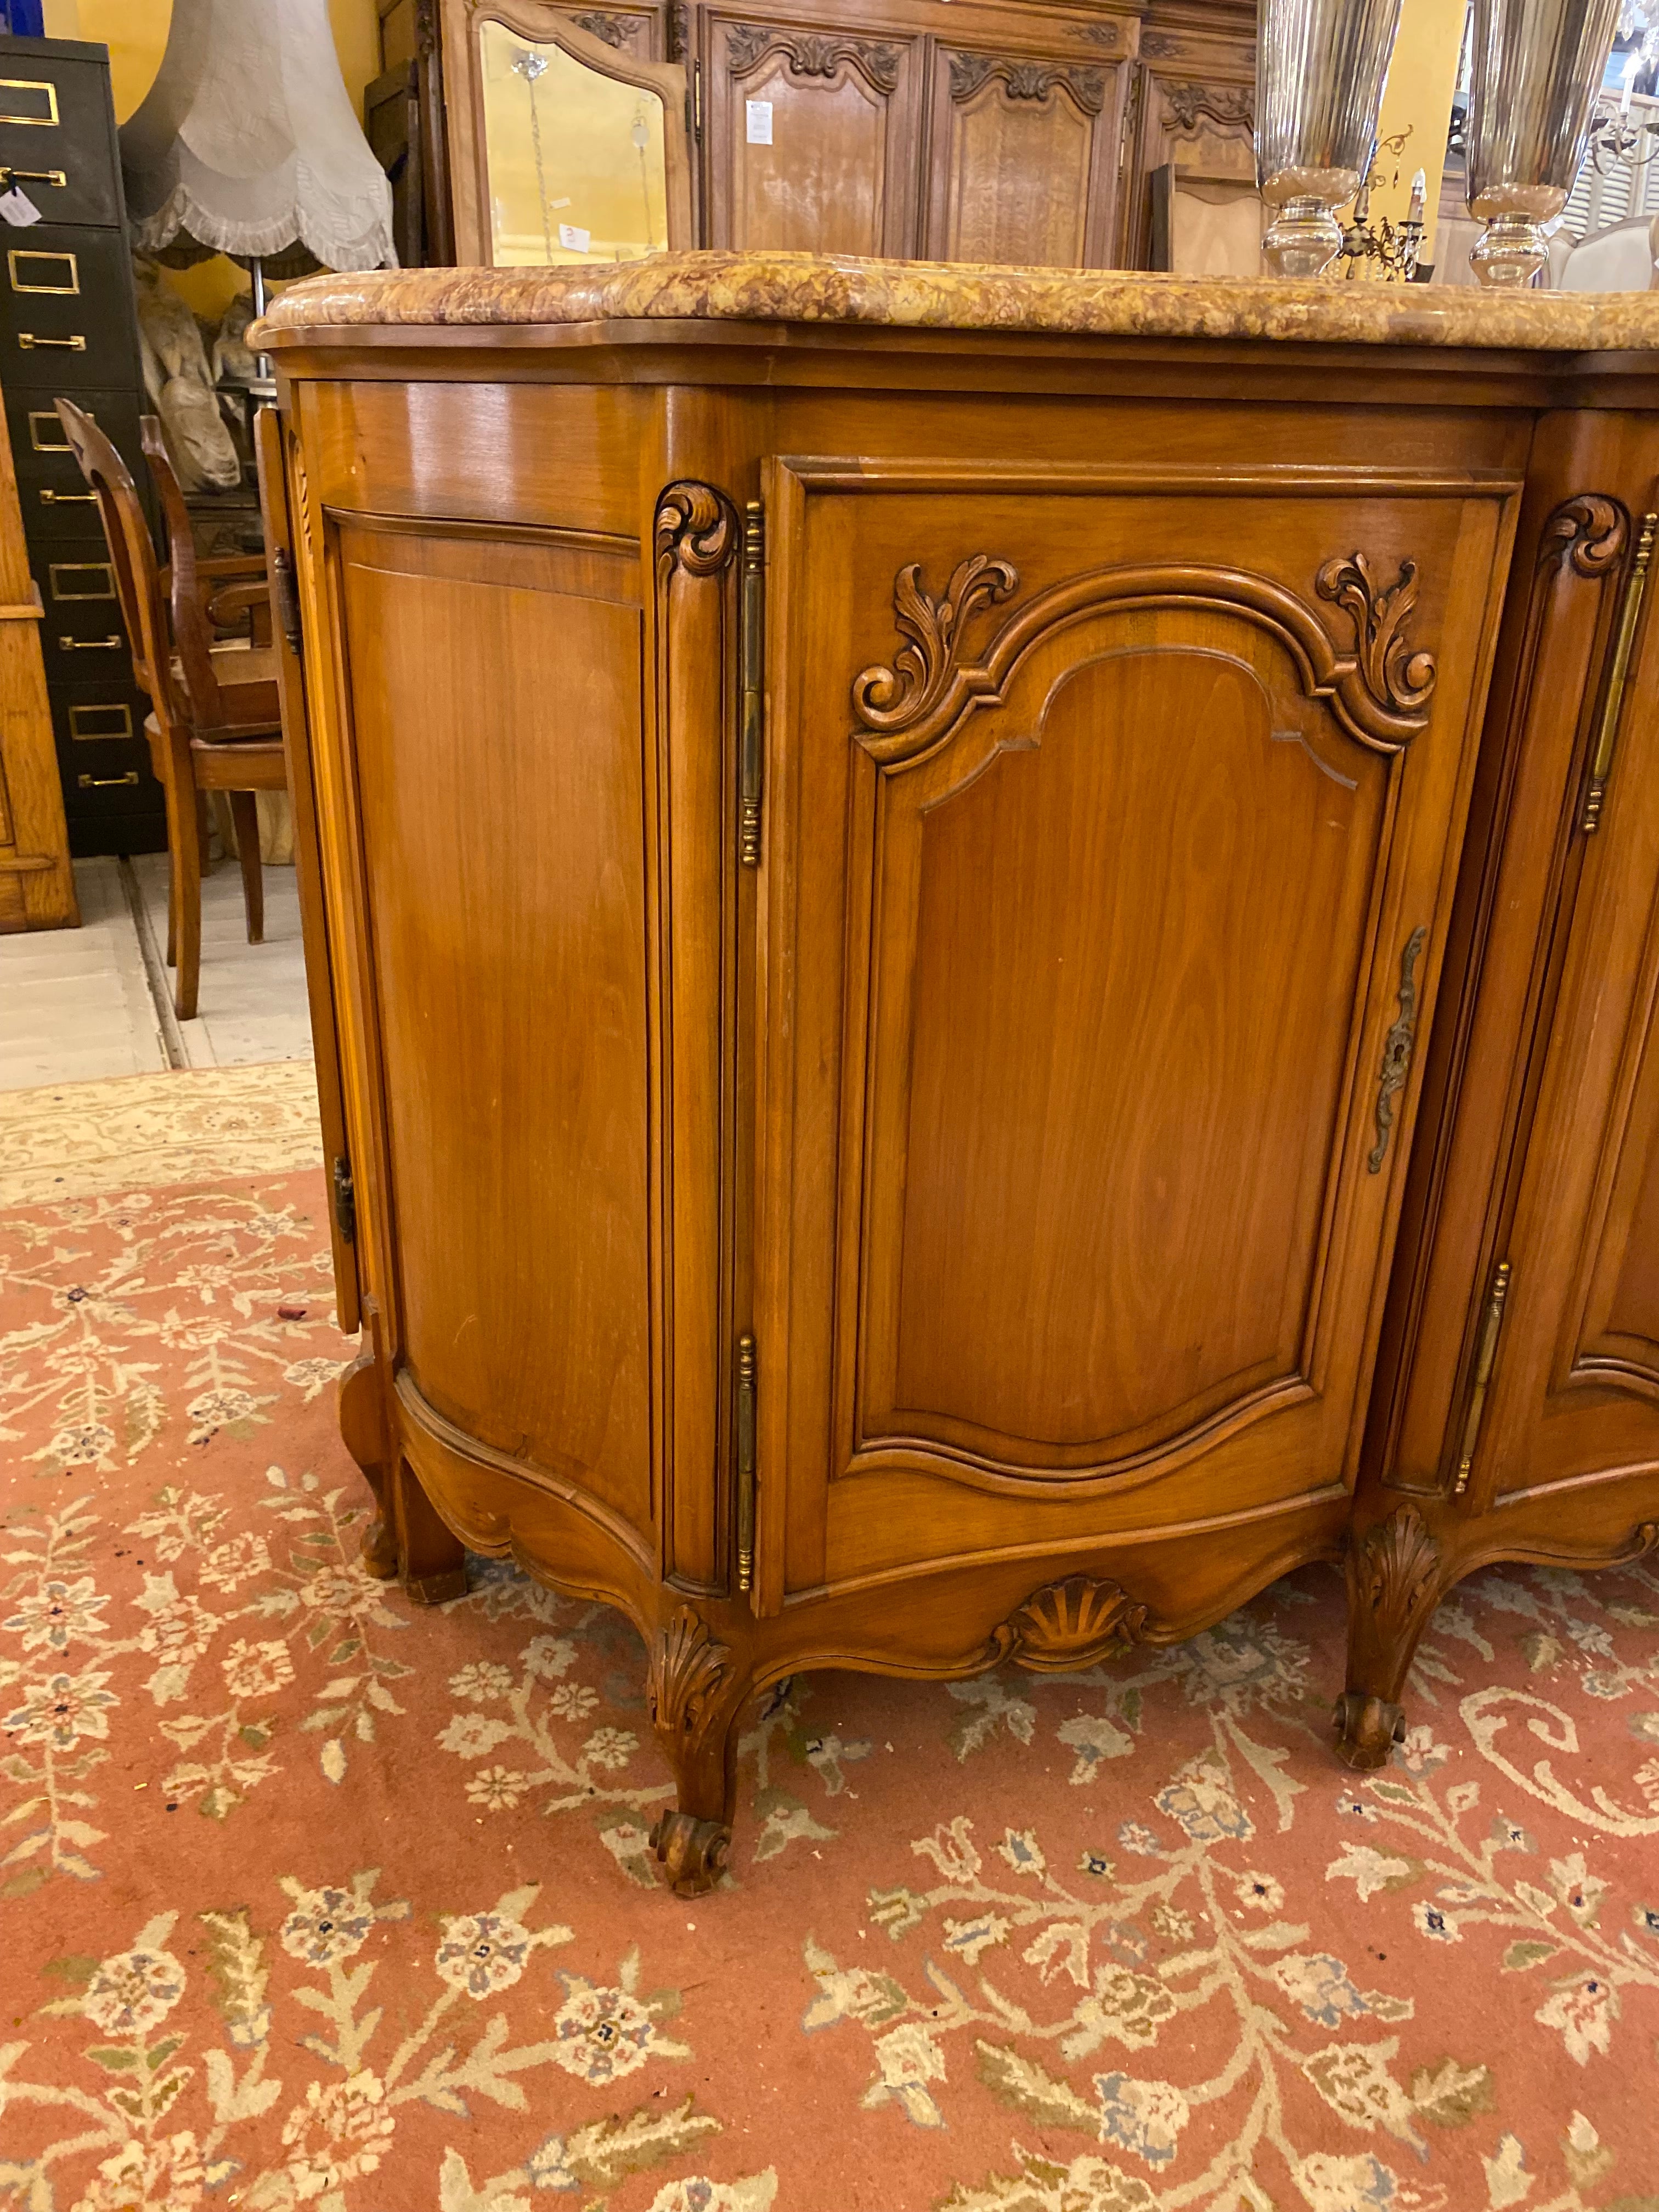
<point>69,326</point>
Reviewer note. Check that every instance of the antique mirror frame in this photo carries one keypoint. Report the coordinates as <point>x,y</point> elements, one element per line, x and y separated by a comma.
<point>543,25</point>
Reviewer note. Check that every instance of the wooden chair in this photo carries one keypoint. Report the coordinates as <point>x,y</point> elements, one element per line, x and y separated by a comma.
<point>215,724</point>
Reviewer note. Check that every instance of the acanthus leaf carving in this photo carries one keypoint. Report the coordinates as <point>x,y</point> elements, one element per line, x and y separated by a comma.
<point>1377,693</point>
<point>969,72</point>
<point>813,54</point>
<point>1070,1625</point>
<point>696,527</point>
<point>616,31</point>
<point>1186,105</point>
<point>688,1671</point>
<point>1400,680</point>
<point>892,698</point>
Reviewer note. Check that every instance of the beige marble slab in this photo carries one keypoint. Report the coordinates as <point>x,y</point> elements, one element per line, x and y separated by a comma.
<point>806,287</point>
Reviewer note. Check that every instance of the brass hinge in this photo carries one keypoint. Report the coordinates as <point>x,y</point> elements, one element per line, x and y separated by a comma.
<point>751,740</point>
<point>1606,735</point>
<point>745,1462</point>
<point>345,1202</point>
<point>285,591</point>
<point>696,101</point>
<point>1485,1352</point>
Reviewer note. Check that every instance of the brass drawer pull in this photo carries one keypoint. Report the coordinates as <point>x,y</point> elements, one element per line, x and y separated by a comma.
<point>8,177</point>
<point>106,782</point>
<point>90,644</point>
<point>30,344</point>
<point>69,499</point>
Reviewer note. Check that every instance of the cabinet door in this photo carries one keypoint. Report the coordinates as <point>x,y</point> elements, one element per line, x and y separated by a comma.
<point>1024,158</point>
<point>811,137</point>
<point>1100,904</point>
<point>1574,1391</point>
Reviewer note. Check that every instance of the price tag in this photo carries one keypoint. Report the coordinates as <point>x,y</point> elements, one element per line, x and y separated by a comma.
<point>758,114</point>
<point>18,208</point>
<point>574,239</point>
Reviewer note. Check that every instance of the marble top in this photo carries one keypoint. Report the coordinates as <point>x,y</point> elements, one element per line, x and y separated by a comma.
<point>931,295</point>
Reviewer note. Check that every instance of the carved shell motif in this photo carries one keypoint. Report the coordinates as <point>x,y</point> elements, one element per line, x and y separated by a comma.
<point>892,698</point>
<point>1396,677</point>
<point>1394,1568</point>
<point>687,1669</point>
<point>1067,1625</point>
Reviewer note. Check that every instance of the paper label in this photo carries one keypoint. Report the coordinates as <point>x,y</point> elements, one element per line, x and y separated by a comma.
<point>18,208</point>
<point>759,115</point>
<point>574,239</point>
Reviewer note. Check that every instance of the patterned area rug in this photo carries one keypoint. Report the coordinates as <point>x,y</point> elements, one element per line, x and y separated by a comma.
<point>313,1900</point>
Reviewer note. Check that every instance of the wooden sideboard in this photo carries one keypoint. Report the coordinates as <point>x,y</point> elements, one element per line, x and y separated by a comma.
<point>947,994</point>
<point>980,131</point>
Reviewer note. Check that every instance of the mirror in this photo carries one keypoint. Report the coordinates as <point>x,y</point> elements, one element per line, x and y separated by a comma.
<point>574,164</point>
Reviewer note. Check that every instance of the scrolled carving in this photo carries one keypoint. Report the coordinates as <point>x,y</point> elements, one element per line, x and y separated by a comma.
<point>1067,1625</point>
<point>677,38</point>
<point>1377,694</point>
<point>1186,105</point>
<point>892,698</point>
<point>1591,531</point>
<point>813,54</point>
<point>1100,34</point>
<point>1399,680</point>
<point>696,528</point>
<point>969,72</point>
<point>688,1671</point>
<point>616,31</point>
<point>1159,45</point>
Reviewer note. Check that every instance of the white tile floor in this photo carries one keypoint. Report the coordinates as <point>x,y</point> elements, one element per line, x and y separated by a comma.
<point>78,1004</point>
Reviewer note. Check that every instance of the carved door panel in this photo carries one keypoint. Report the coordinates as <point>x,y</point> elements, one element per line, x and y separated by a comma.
<point>811,137</point>
<point>1574,1389</point>
<point>1098,919</point>
<point>1023,166</point>
<point>1198,122</point>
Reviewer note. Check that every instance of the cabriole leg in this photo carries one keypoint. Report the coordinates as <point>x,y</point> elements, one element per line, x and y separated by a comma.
<point>1396,1574</point>
<point>406,1538</point>
<point>695,1695</point>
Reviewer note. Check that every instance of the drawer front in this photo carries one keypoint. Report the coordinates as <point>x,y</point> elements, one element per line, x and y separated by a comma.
<point>56,135</point>
<point>51,489</point>
<point>103,756</point>
<point>81,614</point>
<point>66,313</point>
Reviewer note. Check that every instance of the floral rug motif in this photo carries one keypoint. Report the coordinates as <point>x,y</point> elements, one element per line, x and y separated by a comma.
<point>309,1898</point>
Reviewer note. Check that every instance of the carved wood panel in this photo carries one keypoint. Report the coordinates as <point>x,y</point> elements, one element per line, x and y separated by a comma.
<point>532,1163</point>
<point>1024,162</point>
<point>1200,120</point>
<point>1040,935</point>
<point>811,137</point>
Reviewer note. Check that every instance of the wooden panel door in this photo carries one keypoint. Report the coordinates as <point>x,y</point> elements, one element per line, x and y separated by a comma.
<point>1574,1391</point>
<point>493,733</point>
<point>811,136</point>
<point>1098,917</point>
<point>1024,164</point>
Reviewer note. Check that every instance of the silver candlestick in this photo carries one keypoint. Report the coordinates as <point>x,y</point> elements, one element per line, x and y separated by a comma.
<point>1534,70</point>
<point>1320,69</point>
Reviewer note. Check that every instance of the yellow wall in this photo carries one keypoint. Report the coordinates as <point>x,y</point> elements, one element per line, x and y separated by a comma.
<point>1422,77</point>
<point>135,33</point>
